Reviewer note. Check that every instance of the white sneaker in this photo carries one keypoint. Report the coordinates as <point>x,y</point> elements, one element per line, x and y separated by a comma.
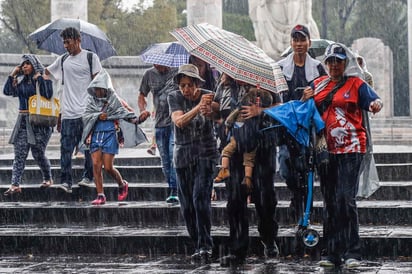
<point>352,263</point>
<point>86,182</point>
<point>326,263</point>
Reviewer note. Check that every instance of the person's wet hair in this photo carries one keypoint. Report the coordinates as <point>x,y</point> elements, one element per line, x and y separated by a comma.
<point>70,33</point>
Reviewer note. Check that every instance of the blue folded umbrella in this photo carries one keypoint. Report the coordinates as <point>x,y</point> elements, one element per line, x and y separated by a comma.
<point>297,117</point>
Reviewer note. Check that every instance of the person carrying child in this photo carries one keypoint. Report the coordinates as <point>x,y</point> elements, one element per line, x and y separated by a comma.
<point>240,139</point>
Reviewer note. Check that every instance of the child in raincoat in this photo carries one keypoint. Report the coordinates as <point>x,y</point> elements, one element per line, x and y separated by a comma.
<point>103,111</point>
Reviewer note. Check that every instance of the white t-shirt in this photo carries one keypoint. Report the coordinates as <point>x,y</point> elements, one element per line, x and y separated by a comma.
<point>73,98</point>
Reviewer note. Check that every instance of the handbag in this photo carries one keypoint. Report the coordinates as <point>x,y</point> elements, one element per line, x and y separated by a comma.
<point>43,111</point>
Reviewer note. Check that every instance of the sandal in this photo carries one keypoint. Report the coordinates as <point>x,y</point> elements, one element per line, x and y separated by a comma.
<point>46,183</point>
<point>12,190</point>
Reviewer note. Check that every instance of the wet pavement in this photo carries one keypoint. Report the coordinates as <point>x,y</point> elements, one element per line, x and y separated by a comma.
<point>130,262</point>
<point>180,264</point>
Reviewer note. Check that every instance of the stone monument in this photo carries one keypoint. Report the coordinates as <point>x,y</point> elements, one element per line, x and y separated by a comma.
<point>379,60</point>
<point>68,9</point>
<point>274,19</point>
<point>209,11</point>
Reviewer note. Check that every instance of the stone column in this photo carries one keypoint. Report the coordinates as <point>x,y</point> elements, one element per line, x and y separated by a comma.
<point>209,11</point>
<point>410,53</point>
<point>379,62</point>
<point>68,9</point>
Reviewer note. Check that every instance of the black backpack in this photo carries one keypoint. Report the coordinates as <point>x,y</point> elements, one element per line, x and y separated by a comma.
<point>89,59</point>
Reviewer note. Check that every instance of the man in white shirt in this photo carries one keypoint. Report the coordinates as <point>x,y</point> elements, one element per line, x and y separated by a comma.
<point>76,72</point>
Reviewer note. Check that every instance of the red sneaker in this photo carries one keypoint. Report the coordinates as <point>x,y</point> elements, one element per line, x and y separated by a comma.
<point>123,191</point>
<point>100,200</point>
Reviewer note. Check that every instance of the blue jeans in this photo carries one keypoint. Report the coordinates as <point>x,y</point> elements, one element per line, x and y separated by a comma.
<point>165,143</point>
<point>70,136</point>
<point>339,185</point>
<point>195,188</point>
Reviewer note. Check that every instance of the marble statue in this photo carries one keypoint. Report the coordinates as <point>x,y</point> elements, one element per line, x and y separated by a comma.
<point>273,21</point>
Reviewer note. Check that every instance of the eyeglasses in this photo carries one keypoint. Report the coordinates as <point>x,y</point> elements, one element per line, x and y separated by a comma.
<point>189,85</point>
<point>26,63</point>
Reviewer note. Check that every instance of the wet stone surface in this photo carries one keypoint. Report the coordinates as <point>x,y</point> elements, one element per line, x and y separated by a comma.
<point>180,264</point>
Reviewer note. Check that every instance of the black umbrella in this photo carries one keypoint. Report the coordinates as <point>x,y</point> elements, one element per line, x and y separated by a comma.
<point>47,37</point>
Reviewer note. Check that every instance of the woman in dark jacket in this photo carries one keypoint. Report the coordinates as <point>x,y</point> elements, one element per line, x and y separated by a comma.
<point>21,83</point>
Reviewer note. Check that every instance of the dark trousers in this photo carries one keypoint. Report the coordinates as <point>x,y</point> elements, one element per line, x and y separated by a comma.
<point>22,147</point>
<point>263,196</point>
<point>339,185</point>
<point>70,136</point>
<point>194,190</point>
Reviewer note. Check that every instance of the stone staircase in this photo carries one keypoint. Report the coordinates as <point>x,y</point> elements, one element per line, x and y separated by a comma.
<point>53,222</point>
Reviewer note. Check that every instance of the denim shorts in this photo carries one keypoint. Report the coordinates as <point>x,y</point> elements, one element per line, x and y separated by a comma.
<point>106,141</point>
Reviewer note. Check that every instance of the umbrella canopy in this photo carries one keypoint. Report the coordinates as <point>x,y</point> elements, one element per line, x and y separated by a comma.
<point>170,54</point>
<point>297,117</point>
<point>233,55</point>
<point>47,37</point>
<point>317,48</point>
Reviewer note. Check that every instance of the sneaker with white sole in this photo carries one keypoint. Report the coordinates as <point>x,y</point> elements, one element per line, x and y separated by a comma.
<point>352,263</point>
<point>326,263</point>
<point>100,200</point>
<point>86,182</point>
<point>173,198</point>
<point>66,187</point>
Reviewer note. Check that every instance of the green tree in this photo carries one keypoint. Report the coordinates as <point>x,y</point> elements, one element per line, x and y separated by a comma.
<point>347,20</point>
<point>132,32</point>
<point>19,19</point>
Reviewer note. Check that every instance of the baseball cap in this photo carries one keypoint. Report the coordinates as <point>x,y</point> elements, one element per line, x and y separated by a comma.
<point>300,29</point>
<point>335,50</point>
<point>189,70</point>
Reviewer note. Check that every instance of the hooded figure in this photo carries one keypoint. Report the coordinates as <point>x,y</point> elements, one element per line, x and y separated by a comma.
<point>111,104</point>
<point>22,83</point>
<point>101,132</point>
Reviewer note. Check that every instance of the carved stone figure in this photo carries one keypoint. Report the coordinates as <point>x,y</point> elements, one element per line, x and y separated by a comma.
<point>274,19</point>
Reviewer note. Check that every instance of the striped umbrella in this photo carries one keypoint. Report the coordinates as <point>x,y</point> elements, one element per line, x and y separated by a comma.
<point>233,55</point>
<point>170,54</point>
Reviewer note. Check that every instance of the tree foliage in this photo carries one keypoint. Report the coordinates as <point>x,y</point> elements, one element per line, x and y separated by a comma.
<point>347,20</point>
<point>19,19</point>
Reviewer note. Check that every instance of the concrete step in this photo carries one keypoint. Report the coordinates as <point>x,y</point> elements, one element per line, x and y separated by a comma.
<point>376,241</point>
<point>153,173</point>
<point>7,161</point>
<point>156,191</point>
<point>32,174</point>
<point>145,214</point>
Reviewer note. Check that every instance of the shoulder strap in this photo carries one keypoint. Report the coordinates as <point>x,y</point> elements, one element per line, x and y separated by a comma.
<point>89,60</point>
<point>328,100</point>
<point>64,57</point>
